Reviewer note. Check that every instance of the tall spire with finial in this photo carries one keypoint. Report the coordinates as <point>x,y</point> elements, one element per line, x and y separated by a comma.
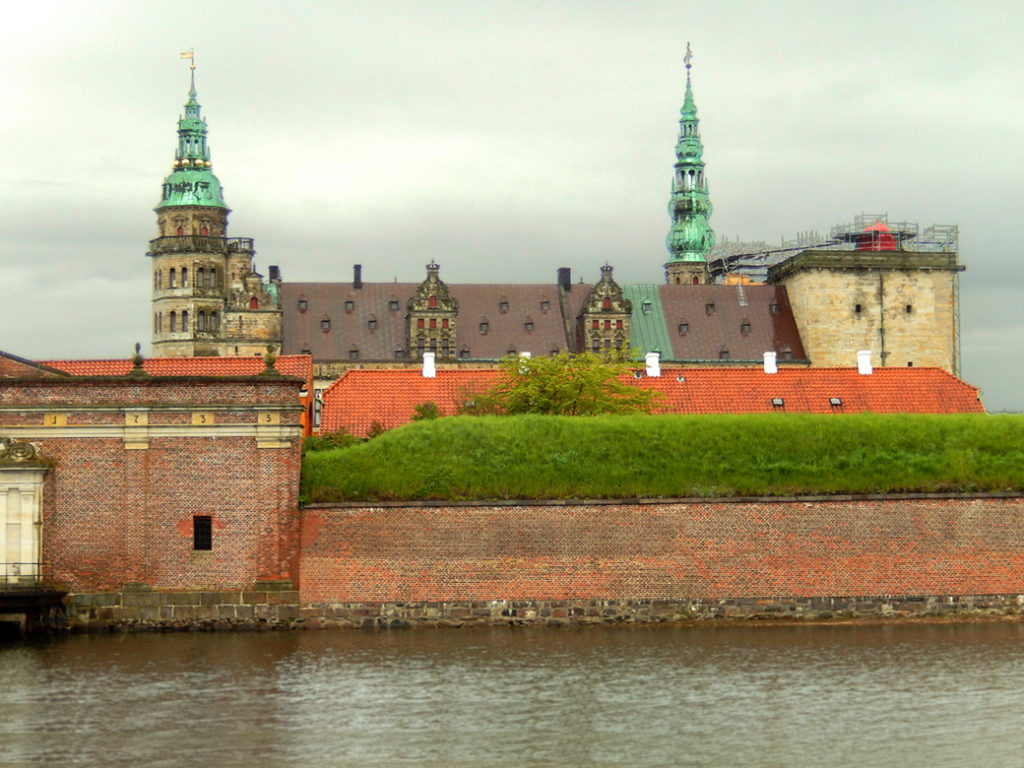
<point>192,181</point>
<point>690,238</point>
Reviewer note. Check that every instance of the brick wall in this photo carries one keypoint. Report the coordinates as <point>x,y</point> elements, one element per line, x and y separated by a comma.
<point>134,459</point>
<point>674,551</point>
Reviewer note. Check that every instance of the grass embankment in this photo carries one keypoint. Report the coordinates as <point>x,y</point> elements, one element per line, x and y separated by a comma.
<point>549,457</point>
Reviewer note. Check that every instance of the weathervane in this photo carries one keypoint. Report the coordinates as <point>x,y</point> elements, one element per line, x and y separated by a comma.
<point>686,58</point>
<point>190,54</point>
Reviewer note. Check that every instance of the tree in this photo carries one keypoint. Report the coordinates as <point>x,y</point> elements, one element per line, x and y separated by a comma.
<point>584,384</point>
<point>426,411</point>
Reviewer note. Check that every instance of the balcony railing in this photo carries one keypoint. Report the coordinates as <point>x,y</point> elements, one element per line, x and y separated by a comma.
<point>15,575</point>
<point>200,244</point>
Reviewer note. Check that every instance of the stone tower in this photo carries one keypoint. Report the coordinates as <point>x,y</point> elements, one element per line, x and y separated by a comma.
<point>207,297</point>
<point>691,238</point>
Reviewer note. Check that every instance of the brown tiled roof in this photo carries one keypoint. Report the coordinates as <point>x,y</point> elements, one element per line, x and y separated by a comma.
<point>361,397</point>
<point>716,316</point>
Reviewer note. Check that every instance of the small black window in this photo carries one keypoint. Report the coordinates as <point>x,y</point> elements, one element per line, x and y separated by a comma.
<point>778,403</point>
<point>202,532</point>
<point>857,308</point>
<point>684,328</point>
<point>745,327</point>
<point>305,351</point>
<point>909,309</point>
<point>371,324</point>
<point>528,326</point>
<point>709,308</point>
<point>464,353</point>
<point>303,305</point>
<point>393,305</point>
<point>483,327</point>
<point>353,354</point>
<point>545,305</point>
<point>723,354</point>
<point>773,308</point>
<point>350,305</point>
<point>503,306</point>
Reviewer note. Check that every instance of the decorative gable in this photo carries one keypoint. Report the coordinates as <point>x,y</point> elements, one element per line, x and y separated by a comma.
<point>431,317</point>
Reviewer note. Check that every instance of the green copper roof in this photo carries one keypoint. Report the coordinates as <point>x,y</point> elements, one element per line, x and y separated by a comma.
<point>192,181</point>
<point>647,329</point>
<point>690,237</point>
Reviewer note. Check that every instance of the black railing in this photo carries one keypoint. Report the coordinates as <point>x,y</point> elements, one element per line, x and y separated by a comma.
<point>16,575</point>
<point>200,244</point>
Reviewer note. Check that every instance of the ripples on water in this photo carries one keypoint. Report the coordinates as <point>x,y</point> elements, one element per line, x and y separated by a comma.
<point>879,696</point>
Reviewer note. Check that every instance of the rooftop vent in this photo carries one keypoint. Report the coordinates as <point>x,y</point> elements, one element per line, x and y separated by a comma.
<point>429,372</point>
<point>778,403</point>
<point>864,362</point>
<point>769,363</point>
<point>835,402</point>
<point>653,362</point>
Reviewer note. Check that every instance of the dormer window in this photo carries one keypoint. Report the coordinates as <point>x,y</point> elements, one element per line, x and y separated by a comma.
<point>393,305</point>
<point>773,308</point>
<point>353,354</point>
<point>545,305</point>
<point>723,354</point>
<point>464,353</point>
<point>528,326</point>
<point>371,324</point>
<point>399,353</point>
<point>303,305</point>
<point>778,403</point>
<point>684,328</point>
<point>349,305</point>
<point>325,324</point>
<point>745,327</point>
<point>484,326</point>
<point>503,306</point>
<point>645,307</point>
<point>709,308</point>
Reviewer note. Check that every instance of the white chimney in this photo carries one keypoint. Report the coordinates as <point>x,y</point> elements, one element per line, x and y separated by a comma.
<point>653,362</point>
<point>429,372</point>
<point>523,357</point>
<point>864,362</point>
<point>769,363</point>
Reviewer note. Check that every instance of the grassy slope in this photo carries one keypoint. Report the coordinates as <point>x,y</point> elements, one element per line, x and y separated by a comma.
<point>541,457</point>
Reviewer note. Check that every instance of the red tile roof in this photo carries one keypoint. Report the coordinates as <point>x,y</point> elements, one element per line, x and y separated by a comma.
<point>289,365</point>
<point>363,396</point>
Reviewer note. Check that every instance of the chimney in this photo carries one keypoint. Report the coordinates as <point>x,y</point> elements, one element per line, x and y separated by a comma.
<point>565,279</point>
<point>357,276</point>
<point>769,363</point>
<point>275,274</point>
<point>652,360</point>
<point>864,362</point>
<point>429,372</point>
<point>524,356</point>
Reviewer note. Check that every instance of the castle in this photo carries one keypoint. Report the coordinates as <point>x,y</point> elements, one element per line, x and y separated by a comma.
<point>865,288</point>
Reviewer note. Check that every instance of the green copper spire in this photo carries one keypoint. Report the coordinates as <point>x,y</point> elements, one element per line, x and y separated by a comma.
<point>691,237</point>
<point>192,181</point>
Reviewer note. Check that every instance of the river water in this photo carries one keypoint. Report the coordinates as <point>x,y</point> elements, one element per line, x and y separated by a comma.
<point>879,696</point>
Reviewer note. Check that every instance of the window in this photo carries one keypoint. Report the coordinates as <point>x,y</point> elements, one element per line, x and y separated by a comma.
<point>787,353</point>
<point>211,277</point>
<point>709,308</point>
<point>909,308</point>
<point>201,321</point>
<point>184,320</point>
<point>745,327</point>
<point>325,324</point>
<point>349,305</point>
<point>305,351</point>
<point>303,305</point>
<point>606,303</point>
<point>483,327</point>
<point>433,322</point>
<point>835,402</point>
<point>432,301</point>
<point>174,321</point>
<point>607,325</point>
<point>353,354</point>
<point>419,322</point>
<point>723,354</point>
<point>444,348</point>
<point>201,278</point>
<point>254,303</point>
<point>464,353</point>
<point>595,324</point>
<point>545,305</point>
<point>393,305</point>
<point>618,325</point>
<point>773,308</point>
<point>399,353</point>
<point>156,324</point>
<point>857,308</point>
<point>684,328</point>
<point>528,326</point>
<point>444,322</point>
<point>214,322</point>
<point>172,278</point>
<point>372,323</point>
<point>184,277</point>
<point>503,306</point>
<point>202,532</point>
<point>645,307</point>
<point>778,403</point>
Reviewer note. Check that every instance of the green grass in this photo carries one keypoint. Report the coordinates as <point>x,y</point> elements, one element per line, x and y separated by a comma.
<point>551,457</point>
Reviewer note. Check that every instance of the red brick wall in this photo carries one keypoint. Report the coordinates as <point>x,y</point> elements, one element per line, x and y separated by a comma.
<point>677,550</point>
<point>113,515</point>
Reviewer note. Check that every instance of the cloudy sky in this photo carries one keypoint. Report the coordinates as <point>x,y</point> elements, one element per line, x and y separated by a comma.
<point>504,140</point>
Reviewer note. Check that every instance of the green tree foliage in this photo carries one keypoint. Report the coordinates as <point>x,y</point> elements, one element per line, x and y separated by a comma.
<point>585,384</point>
<point>329,441</point>
<point>425,411</point>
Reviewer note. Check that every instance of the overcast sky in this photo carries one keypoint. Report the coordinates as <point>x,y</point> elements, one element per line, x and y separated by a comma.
<point>503,140</point>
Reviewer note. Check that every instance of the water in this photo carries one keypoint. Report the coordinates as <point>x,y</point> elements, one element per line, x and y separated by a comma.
<point>879,696</point>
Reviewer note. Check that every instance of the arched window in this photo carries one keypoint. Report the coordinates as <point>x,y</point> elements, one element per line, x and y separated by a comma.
<point>212,277</point>
<point>181,232</point>
<point>172,278</point>
<point>205,231</point>
<point>696,280</point>
<point>200,278</point>
<point>432,301</point>
<point>214,322</point>
<point>201,321</point>
<point>184,277</point>
<point>606,302</point>
<point>254,303</point>
<point>184,320</point>
<point>174,321</point>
